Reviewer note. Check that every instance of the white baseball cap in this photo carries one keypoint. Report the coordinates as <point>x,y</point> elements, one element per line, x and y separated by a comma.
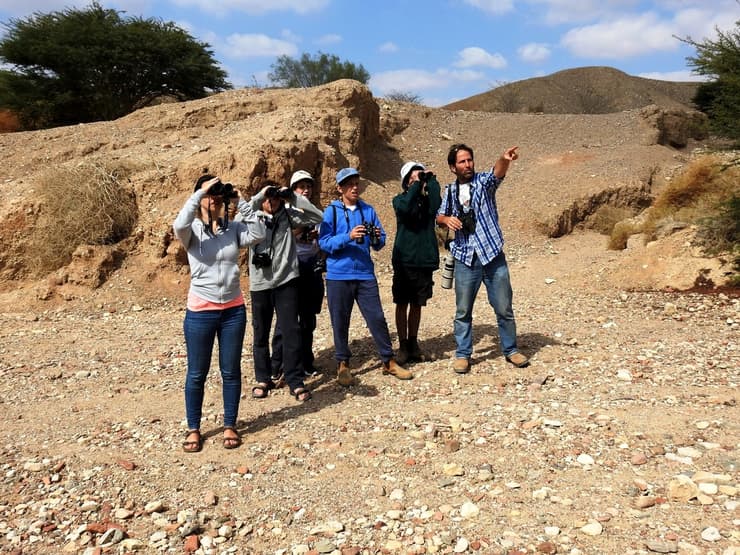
<point>300,175</point>
<point>408,167</point>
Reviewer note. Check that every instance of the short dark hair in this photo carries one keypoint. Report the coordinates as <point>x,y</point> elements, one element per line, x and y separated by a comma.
<point>454,149</point>
<point>202,179</point>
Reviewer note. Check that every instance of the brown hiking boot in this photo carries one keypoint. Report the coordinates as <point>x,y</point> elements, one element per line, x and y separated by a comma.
<point>518,360</point>
<point>461,365</point>
<point>344,377</point>
<point>394,369</point>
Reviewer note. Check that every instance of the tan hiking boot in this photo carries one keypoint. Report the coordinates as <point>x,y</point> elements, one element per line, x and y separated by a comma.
<point>344,377</point>
<point>461,365</point>
<point>394,369</point>
<point>518,360</point>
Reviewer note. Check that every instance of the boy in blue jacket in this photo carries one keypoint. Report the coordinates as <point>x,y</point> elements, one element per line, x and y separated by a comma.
<point>349,229</point>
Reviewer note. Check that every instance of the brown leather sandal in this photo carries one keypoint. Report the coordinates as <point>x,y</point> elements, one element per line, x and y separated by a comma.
<point>301,394</point>
<point>232,442</point>
<point>192,445</point>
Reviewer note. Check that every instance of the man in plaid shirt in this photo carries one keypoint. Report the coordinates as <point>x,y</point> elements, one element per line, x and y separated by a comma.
<point>469,210</point>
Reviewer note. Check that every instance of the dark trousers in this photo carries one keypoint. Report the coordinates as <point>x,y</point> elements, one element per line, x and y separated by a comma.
<point>282,301</point>
<point>310,299</point>
<point>341,296</point>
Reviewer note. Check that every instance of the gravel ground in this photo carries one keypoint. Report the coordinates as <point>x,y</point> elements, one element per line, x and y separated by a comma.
<point>621,437</point>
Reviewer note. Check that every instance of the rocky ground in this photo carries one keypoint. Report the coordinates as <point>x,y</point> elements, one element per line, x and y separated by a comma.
<point>621,437</point>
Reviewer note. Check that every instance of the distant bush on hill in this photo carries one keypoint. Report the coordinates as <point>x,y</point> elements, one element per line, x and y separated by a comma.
<point>586,90</point>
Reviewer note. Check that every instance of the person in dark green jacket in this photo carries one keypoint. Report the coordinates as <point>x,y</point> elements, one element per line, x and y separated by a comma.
<point>415,254</point>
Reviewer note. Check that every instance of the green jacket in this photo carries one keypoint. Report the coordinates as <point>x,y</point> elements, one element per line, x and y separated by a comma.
<point>415,245</point>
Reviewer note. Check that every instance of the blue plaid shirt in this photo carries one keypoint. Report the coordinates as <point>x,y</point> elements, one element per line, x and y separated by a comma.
<point>487,241</point>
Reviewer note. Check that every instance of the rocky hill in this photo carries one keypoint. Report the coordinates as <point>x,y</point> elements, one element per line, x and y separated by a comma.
<point>585,90</point>
<point>569,166</point>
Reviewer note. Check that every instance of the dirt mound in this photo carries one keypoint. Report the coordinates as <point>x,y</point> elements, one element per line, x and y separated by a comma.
<point>585,90</point>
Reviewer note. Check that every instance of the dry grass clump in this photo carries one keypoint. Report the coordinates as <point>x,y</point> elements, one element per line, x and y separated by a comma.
<point>621,232</point>
<point>606,217</point>
<point>90,204</point>
<point>696,196</point>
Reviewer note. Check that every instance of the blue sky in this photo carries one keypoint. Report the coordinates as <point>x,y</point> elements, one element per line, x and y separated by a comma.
<point>441,50</point>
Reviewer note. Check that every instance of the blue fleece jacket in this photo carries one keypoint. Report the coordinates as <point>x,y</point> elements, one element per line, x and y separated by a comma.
<point>347,259</point>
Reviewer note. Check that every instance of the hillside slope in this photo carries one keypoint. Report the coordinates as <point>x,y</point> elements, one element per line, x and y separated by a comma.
<point>585,90</point>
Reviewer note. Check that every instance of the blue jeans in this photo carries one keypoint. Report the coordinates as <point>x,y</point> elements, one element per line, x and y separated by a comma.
<point>201,328</point>
<point>468,279</point>
<point>341,296</point>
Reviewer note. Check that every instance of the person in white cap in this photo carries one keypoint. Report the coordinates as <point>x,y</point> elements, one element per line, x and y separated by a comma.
<point>415,254</point>
<point>274,286</point>
<point>310,285</point>
<point>349,231</point>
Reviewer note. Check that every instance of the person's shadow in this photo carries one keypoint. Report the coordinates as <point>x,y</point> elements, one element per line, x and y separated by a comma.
<point>365,359</point>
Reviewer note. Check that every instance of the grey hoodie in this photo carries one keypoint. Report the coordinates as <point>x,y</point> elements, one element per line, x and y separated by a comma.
<point>280,242</point>
<point>214,258</point>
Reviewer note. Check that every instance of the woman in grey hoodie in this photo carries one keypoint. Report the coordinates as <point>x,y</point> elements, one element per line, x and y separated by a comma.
<point>215,305</point>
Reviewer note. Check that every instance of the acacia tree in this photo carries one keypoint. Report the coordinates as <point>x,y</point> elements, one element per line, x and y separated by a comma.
<point>719,97</point>
<point>310,71</point>
<point>81,65</point>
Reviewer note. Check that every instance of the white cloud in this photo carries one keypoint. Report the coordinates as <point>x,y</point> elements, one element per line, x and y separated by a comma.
<point>388,47</point>
<point>683,75</point>
<point>255,6</point>
<point>26,8</point>
<point>329,39</point>
<point>492,6</point>
<point>534,52</point>
<point>621,38</point>
<point>475,56</point>
<point>255,46</point>
<point>290,36</point>
<point>556,12</point>
<point>419,80</point>
<point>701,24</point>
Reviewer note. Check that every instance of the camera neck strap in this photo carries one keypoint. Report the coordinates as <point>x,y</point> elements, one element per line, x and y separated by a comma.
<point>346,214</point>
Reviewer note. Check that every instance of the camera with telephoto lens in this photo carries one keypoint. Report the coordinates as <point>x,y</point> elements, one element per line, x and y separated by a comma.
<point>467,219</point>
<point>370,230</point>
<point>448,271</point>
<point>274,192</point>
<point>261,259</point>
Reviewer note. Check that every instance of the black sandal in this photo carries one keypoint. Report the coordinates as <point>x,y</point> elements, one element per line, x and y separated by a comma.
<point>192,446</point>
<point>232,442</point>
<point>301,394</point>
<point>262,390</point>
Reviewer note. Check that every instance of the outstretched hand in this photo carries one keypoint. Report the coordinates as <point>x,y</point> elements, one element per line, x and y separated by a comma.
<point>511,153</point>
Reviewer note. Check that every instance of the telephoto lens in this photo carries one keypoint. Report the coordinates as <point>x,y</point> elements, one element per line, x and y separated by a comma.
<point>448,271</point>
